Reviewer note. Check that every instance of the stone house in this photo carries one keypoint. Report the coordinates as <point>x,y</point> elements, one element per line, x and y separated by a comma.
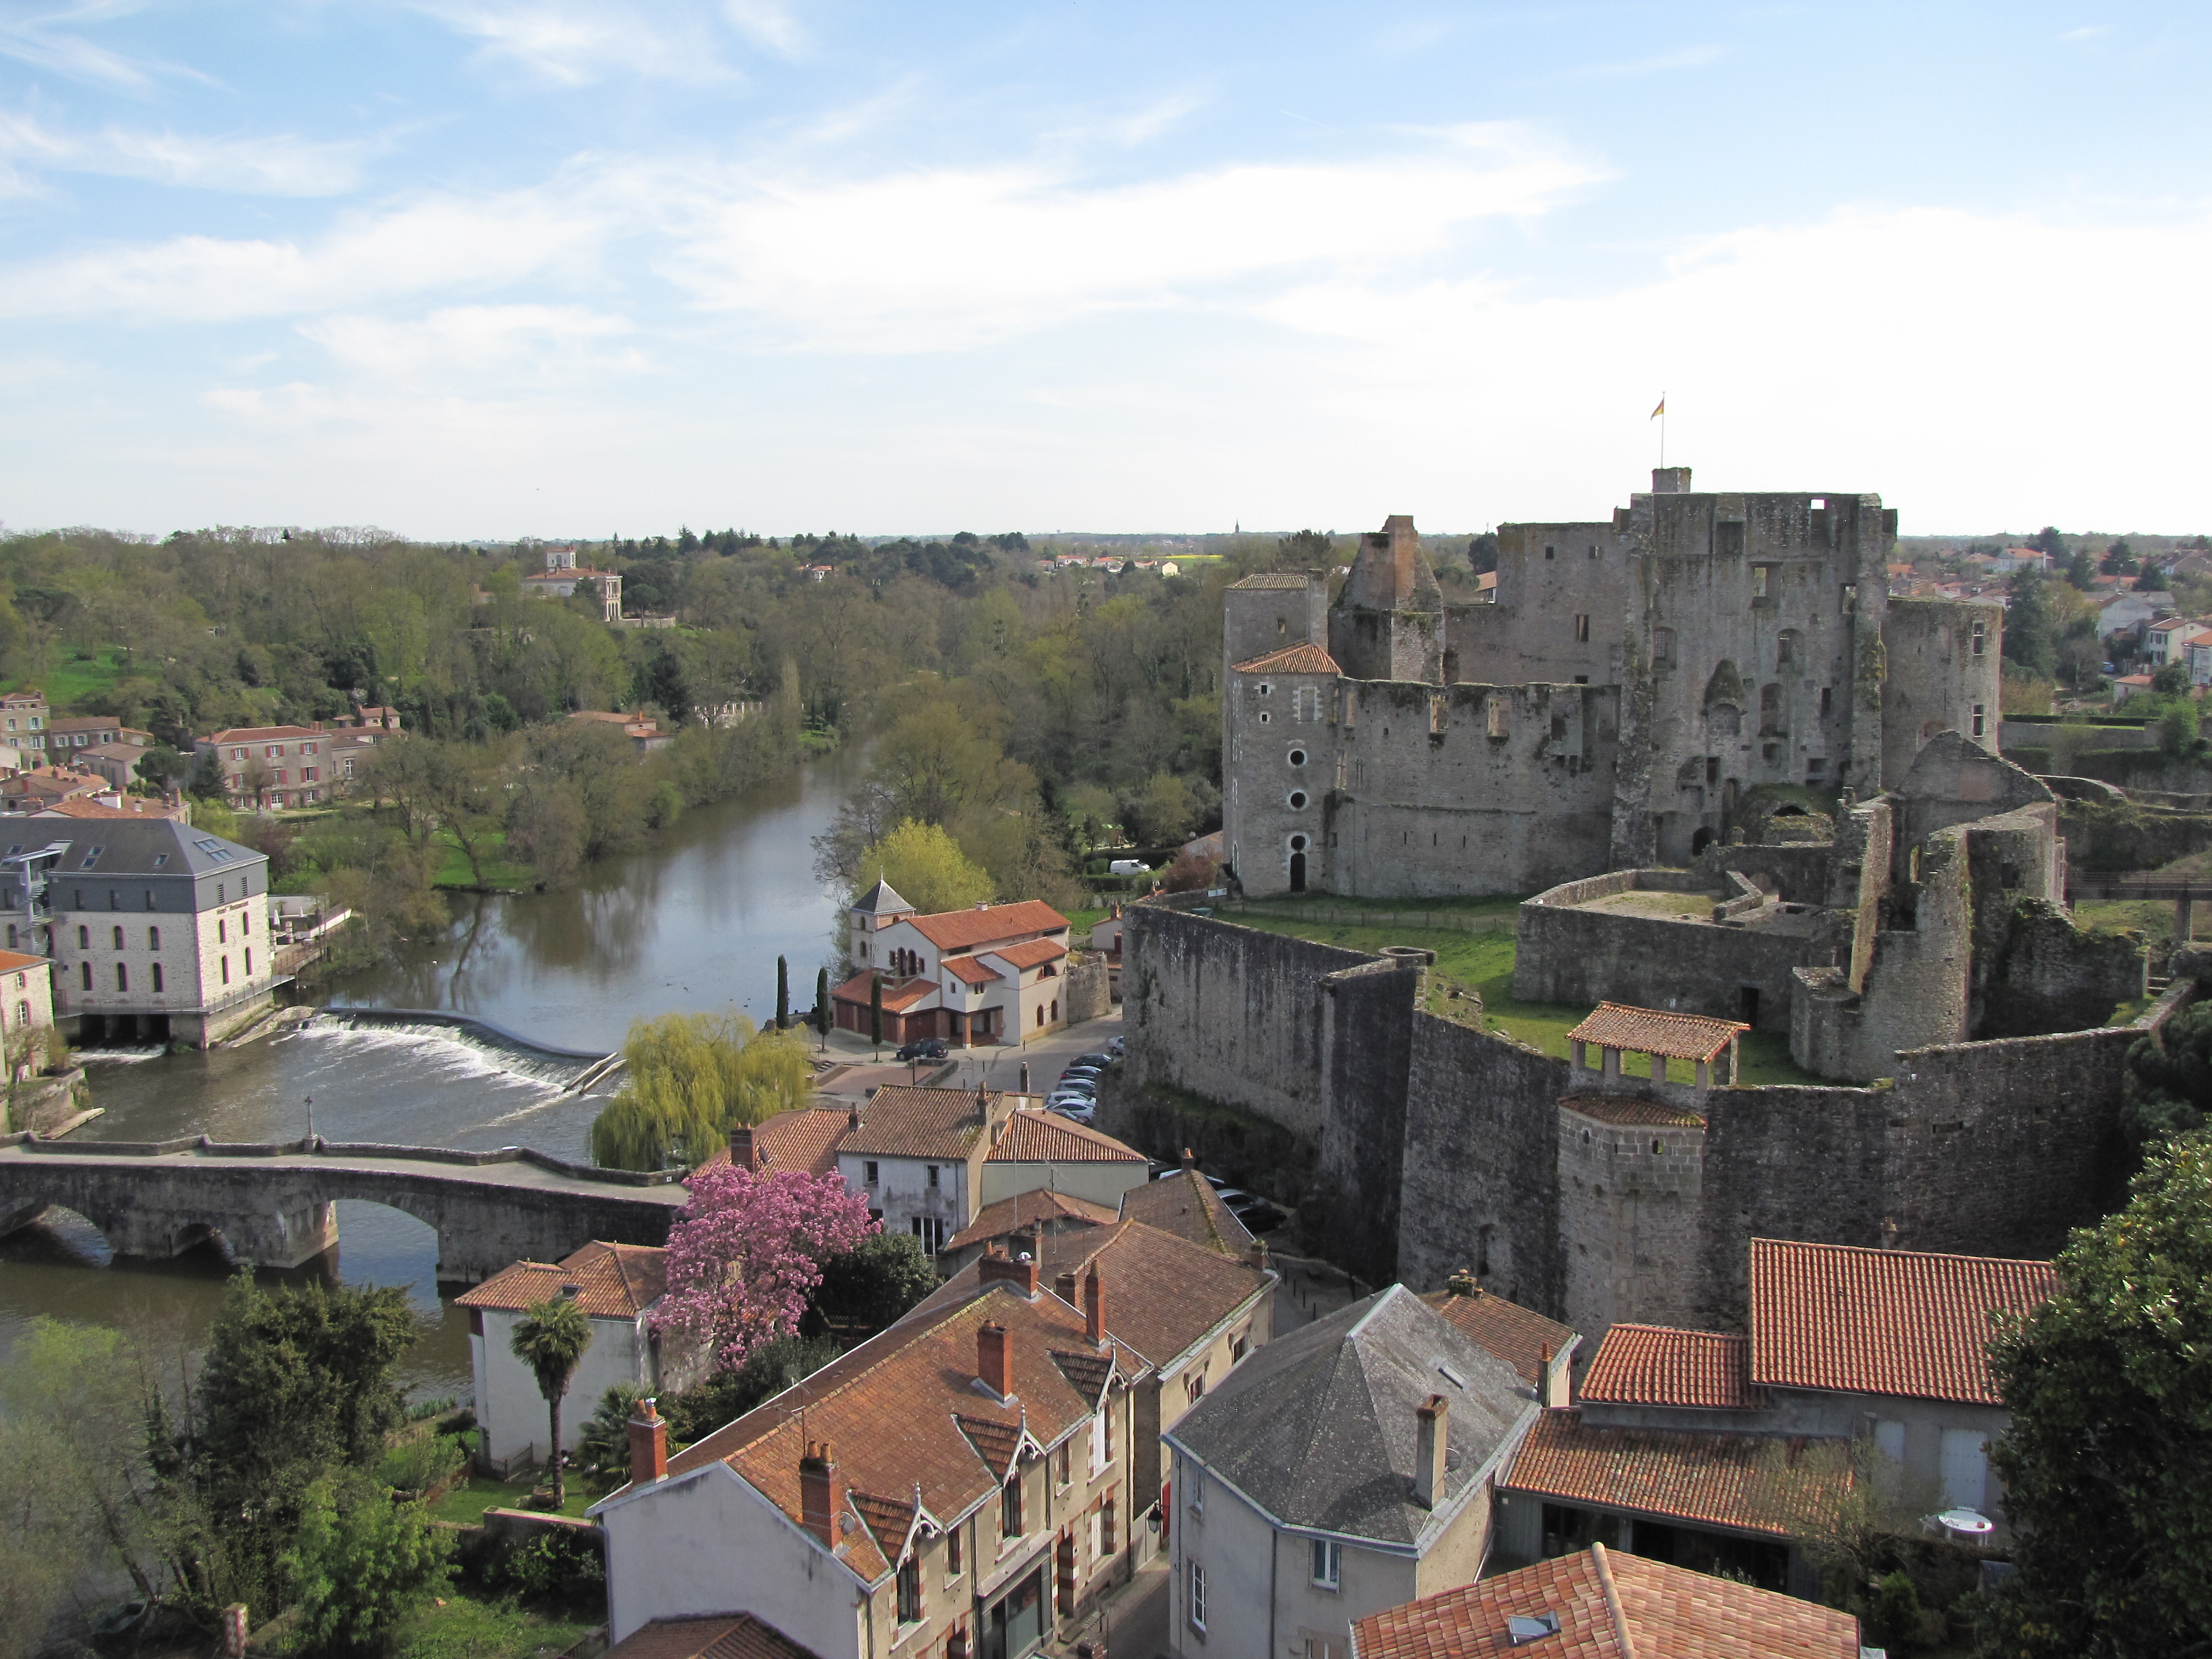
<point>1605,1602</point>
<point>155,929</point>
<point>23,719</point>
<point>619,1287</point>
<point>1346,1468</point>
<point>993,974</point>
<point>116,761</point>
<point>271,766</point>
<point>26,1010</point>
<point>562,574</point>
<point>42,787</point>
<point>74,732</point>
<point>958,1484</point>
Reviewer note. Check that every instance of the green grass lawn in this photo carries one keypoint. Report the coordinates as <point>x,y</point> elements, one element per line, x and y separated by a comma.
<point>467,1502</point>
<point>72,679</point>
<point>470,1625</point>
<point>1483,963</point>
<point>499,871</point>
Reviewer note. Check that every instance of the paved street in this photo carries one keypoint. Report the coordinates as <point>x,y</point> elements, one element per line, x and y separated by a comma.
<point>998,1067</point>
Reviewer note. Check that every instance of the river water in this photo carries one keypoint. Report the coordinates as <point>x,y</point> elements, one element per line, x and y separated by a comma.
<point>695,923</point>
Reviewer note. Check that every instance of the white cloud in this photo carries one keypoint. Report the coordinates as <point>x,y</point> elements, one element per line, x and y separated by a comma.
<point>940,260</point>
<point>531,342</point>
<point>1663,62</point>
<point>44,37</point>
<point>769,24</point>
<point>574,43</point>
<point>275,166</point>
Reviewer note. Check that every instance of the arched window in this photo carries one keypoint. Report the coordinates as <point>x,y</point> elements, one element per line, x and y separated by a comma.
<point>84,974</point>
<point>153,938</point>
<point>84,941</point>
<point>121,975</point>
<point>118,939</point>
<point>157,976</point>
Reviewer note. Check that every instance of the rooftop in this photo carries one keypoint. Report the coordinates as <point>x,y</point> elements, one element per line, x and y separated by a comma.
<point>1505,1328</point>
<point>1030,953</point>
<point>613,1281</point>
<point>1027,1210</point>
<point>1732,1481</point>
<point>1654,1031</point>
<point>1609,1606</point>
<point>1273,579</point>
<point>718,1636</point>
<point>1653,1366</point>
<point>1291,660</point>
<point>1185,1204</point>
<point>899,994</point>
<point>1901,1322</point>
<point>806,1138</point>
<point>1038,1136</point>
<point>965,930</point>
<point>899,1121</point>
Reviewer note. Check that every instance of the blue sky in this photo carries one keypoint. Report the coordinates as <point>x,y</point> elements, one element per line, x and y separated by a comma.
<point>488,268</point>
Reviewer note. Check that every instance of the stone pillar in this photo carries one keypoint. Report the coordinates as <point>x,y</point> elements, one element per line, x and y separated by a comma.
<point>1658,1068</point>
<point>1612,1059</point>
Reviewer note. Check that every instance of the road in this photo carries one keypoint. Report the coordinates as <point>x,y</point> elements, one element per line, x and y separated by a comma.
<point>998,1068</point>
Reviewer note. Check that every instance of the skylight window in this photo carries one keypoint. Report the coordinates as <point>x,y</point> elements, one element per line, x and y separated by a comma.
<point>90,856</point>
<point>1453,1377</point>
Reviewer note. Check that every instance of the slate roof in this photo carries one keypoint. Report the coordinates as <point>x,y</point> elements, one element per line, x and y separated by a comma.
<point>965,930</point>
<point>899,1121</point>
<point>717,1636</point>
<point>1185,1204</point>
<point>1609,1606</point>
<point>1301,659</point>
<point>1317,1428</point>
<point>1713,1480</point>
<point>615,1281</point>
<point>1652,1365</point>
<point>881,900</point>
<point>1655,1031</point>
<point>1025,1210</point>
<point>1513,1333</point>
<point>1272,579</point>
<point>1034,1137</point>
<point>130,846</point>
<point>1902,1322</point>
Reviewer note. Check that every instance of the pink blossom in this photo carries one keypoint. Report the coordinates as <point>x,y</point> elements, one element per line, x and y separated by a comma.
<point>746,1253</point>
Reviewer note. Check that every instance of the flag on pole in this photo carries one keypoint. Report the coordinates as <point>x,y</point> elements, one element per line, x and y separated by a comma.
<point>1662,410</point>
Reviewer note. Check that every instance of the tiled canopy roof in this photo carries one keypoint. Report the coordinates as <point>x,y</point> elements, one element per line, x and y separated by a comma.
<point>1031,953</point>
<point>1272,579</point>
<point>1883,1321</point>
<point>1505,1328</point>
<point>1303,659</point>
<point>1024,1210</point>
<point>719,1636</point>
<point>1713,1480</point>
<point>970,971</point>
<point>1034,1137</point>
<point>615,1281</point>
<point>1654,1031</point>
<point>964,930</point>
<point>1651,1365</point>
<point>1627,1109</point>
<point>1609,1606</point>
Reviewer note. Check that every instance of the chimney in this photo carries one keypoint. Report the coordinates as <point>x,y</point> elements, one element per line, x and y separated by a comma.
<point>1189,1159</point>
<point>1257,1255</point>
<point>1094,1308</point>
<point>1018,1270</point>
<point>994,1358</point>
<point>852,1119</point>
<point>1553,1381</point>
<point>1025,1077</point>
<point>1064,1287</point>
<point>648,1445</point>
<point>821,1493</point>
<point>1429,1458</point>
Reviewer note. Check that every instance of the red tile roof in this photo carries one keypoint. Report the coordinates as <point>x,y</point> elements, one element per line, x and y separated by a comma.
<point>1626,1108</point>
<point>1026,1209</point>
<point>12,961</point>
<point>1652,1365</point>
<point>965,930</point>
<point>1291,660</point>
<point>718,1636</point>
<point>1033,954</point>
<point>899,1121</point>
<point>1186,1205</point>
<point>970,971</point>
<point>1883,1321</point>
<point>1732,1481</point>
<point>1034,1137</point>
<point>616,1281</point>
<point>1655,1031</point>
<point>804,1138</point>
<point>1505,1328</point>
<point>264,735</point>
<point>134,806</point>
<point>1609,1606</point>
<point>899,994</point>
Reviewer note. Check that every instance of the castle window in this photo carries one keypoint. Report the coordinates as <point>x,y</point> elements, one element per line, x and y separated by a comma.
<point>1848,594</point>
<point>1981,722</point>
<point>1298,799</point>
<point>1501,716</point>
<point>1826,692</point>
<point>1785,648</point>
<point>1770,710</point>
<point>1298,843</point>
<point>1298,757</point>
<point>1266,690</point>
<point>1549,552</point>
<point>1263,717</point>
<point>1761,575</point>
<point>1592,550</point>
<point>1582,629</point>
<point>1662,647</point>
<point>1981,637</point>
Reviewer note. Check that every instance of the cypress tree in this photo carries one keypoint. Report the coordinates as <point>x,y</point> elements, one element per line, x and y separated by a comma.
<point>782,994</point>
<point>876,1010</point>
<point>822,1005</point>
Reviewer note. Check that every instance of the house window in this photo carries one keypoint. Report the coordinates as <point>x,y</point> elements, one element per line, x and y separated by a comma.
<point>952,1567</point>
<point>933,1177</point>
<point>1981,721</point>
<point>930,1230</point>
<point>868,1172</point>
<point>249,962</point>
<point>153,938</point>
<point>226,970</point>
<point>1102,1437</point>
<point>83,939</point>
<point>1110,1535</point>
<point>909,1592</point>
<point>118,939</point>
<point>1010,1507</point>
<point>221,931</point>
<point>1328,1560</point>
<point>121,975</point>
<point>157,976</point>
<point>1063,1464</point>
<point>84,971</point>
<point>1197,1571</point>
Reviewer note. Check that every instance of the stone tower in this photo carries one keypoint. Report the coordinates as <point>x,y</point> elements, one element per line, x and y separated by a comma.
<point>1388,622</point>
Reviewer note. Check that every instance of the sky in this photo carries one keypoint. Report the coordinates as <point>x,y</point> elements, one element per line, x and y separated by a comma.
<point>486,268</point>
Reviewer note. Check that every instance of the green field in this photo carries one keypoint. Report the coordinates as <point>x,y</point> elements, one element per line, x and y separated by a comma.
<point>72,679</point>
<point>470,1625</point>
<point>1483,963</point>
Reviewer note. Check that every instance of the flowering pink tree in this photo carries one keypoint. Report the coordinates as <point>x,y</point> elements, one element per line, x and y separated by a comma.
<point>746,1252</point>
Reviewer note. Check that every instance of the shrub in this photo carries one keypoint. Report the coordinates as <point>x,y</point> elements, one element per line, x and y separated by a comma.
<point>1893,1615</point>
<point>560,1564</point>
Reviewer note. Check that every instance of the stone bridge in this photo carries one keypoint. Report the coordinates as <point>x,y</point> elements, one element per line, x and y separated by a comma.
<point>269,1202</point>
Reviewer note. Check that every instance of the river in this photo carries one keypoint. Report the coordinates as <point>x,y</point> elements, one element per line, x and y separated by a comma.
<point>696,922</point>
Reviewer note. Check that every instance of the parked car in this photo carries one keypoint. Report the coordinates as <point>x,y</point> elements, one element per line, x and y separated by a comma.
<point>923,1048</point>
<point>1232,1195</point>
<point>1077,1112</point>
<point>1258,1217</point>
<point>1128,867</point>
<point>1116,1046</point>
<point>1100,1061</point>
<point>1218,1184</point>
<point>1088,1091</point>
<point>1080,1075</point>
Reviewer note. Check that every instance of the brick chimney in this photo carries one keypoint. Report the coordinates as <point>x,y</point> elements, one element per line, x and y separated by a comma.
<point>1064,1287</point>
<point>1094,1308</point>
<point>1433,1419</point>
<point>1018,1270</point>
<point>648,1445</point>
<point>1189,1159</point>
<point>821,1493</point>
<point>1553,1380</point>
<point>994,1358</point>
<point>1257,1255</point>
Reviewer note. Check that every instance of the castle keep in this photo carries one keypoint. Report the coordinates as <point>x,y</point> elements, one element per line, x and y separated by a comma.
<point>1632,681</point>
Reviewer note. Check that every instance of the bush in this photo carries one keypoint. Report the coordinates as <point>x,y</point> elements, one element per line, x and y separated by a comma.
<point>418,1464</point>
<point>727,1395</point>
<point>603,1449</point>
<point>1893,1616</point>
<point>559,1563</point>
<point>360,1564</point>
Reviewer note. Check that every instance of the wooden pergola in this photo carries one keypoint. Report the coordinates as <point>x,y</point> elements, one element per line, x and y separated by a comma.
<point>1615,1027</point>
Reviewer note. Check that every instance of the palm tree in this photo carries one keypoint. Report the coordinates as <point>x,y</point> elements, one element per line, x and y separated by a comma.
<point>550,1338</point>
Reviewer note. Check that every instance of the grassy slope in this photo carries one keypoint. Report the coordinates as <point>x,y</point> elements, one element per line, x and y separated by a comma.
<point>470,1625</point>
<point>1484,962</point>
<point>70,680</point>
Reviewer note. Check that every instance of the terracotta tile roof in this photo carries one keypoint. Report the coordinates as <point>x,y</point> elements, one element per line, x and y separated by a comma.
<point>1033,954</point>
<point>899,1121</point>
<point>718,1636</point>
<point>889,1519</point>
<point>971,971</point>
<point>899,994</point>
<point>1883,1321</point>
<point>1272,579</point>
<point>1609,1606</point>
<point>1291,660</point>
<point>264,735</point>
<point>1086,1370</point>
<point>964,930</point>
<point>1651,1365</point>
<point>804,1138</point>
<point>12,961</point>
<point>1034,1137</point>
<point>1654,1031</point>
<point>1507,1329</point>
<point>1713,1480</point>
<point>617,1281</point>
<point>1025,1210</point>
<point>1186,1205</point>
<point>902,1416</point>
<point>1626,1108</point>
<point>1163,1293</point>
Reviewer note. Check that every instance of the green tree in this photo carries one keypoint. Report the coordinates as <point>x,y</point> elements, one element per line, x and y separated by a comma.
<point>603,1447</point>
<point>876,1010</point>
<point>2048,541</point>
<point>360,1563</point>
<point>928,867</point>
<point>689,1080</point>
<point>782,994</point>
<point>2081,569</point>
<point>822,1005</point>
<point>873,1285</point>
<point>2120,559</point>
<point>2171,680</point>
<point>163,767</point>
<point>1163,811</point>
<point>2031,634</point>
<point>2177,730</point>
<point>769,1369</point>
<point>550,1338</point>
<point>2167,1084</point>
<point>2109,1455</point>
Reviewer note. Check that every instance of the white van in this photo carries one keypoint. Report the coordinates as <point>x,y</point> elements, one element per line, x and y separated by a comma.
<point>1127,867</point>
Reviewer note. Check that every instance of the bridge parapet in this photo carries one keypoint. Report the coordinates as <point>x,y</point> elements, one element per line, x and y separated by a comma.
<point>200,1145</point>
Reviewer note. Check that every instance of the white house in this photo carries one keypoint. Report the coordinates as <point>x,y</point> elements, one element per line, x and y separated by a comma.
<point>988,975</point>
<point>618,1286</point>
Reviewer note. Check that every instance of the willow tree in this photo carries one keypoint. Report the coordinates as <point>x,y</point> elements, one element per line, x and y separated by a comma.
<point>690,1079</point>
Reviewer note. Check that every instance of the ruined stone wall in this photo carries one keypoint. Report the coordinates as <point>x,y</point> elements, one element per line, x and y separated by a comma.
<point>1367,1045</point>
<point>1088,991</point>
<point>2052,975</point>
<point>1796,874</point>
<point>1470,789</point>
<point>1943,664</point>
<point>1631,1212</point>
